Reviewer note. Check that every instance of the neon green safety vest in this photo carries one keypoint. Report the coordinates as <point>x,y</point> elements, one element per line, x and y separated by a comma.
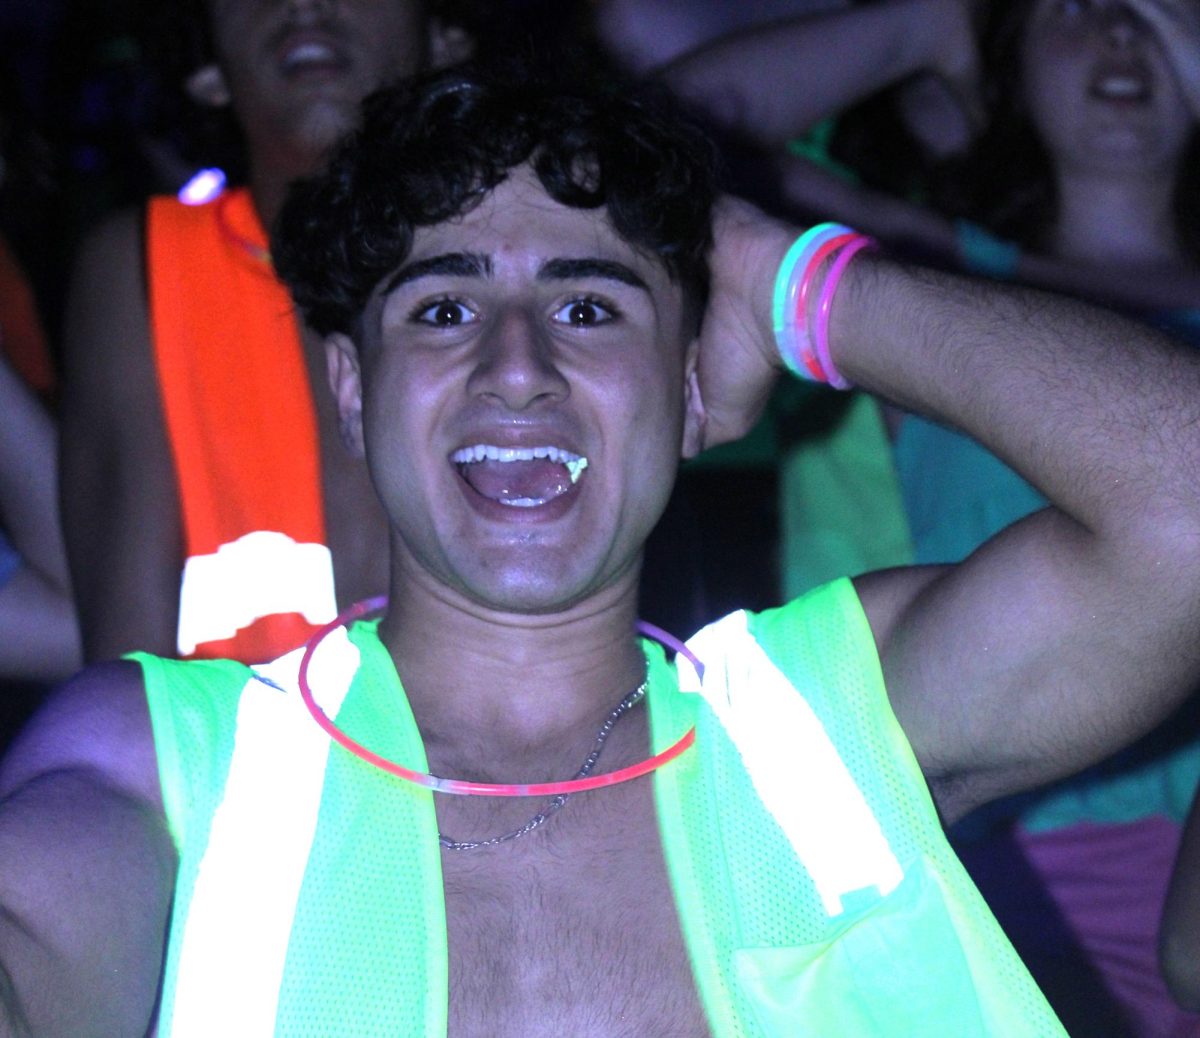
<point>816,891</point>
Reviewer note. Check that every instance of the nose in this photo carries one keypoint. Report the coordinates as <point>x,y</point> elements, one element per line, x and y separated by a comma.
<point>1122,25</point>
<point>517,365</point>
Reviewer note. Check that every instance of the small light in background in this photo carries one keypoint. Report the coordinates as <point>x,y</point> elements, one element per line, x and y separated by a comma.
<point>204,186</point>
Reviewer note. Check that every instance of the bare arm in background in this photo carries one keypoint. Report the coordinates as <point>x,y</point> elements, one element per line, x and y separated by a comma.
<point>807,68</point>
<point>770,83</point>
<point>119,500</point>
<point>40,637</point>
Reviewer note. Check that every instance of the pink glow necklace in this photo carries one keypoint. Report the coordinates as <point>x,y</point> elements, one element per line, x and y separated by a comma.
<point>559,792</point>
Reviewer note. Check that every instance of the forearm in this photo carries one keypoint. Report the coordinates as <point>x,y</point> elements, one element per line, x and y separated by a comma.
<point>810,67</point>
<point>1096,411</point>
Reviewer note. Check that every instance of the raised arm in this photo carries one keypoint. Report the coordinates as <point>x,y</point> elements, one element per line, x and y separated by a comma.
<point>771,83</point>
<point>1072,632</point>
<point>119,500</point>
<point>86,865</point>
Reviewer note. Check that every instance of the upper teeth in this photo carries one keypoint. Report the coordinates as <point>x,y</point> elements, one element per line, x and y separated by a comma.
<point>482,451</point>
<point>306,52</point>
<point>1121,86</point>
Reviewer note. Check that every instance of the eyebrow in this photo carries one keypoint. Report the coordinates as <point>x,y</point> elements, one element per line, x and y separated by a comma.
<point>473,264</point>
<point>454,264</point>
<point>609,270</point>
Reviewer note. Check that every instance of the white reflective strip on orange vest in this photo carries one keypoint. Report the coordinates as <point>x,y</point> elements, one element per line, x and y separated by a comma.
<point>259,574</point>
<point>239,921</point>
<point>792,762</point>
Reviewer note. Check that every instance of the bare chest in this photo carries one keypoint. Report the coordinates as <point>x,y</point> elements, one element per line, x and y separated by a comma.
<point>570,930</point>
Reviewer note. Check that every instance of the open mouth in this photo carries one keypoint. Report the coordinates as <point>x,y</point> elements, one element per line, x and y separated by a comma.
<point>519,477</point>
<point>1126,86</point>
<point>310,52</point>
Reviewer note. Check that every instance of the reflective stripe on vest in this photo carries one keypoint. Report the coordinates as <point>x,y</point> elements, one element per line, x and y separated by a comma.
<point>784,747</point>
<point>235,938</point>
<point>259,574</point>
<point>242,427</point>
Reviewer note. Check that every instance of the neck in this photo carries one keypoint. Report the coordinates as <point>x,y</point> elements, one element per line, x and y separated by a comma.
<point>517,684</point>
<point>272,172</point>
<point>1124,220</point>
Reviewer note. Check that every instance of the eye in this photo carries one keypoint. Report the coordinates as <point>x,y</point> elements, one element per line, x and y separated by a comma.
<point>444,313</point>
<point>583,313</point>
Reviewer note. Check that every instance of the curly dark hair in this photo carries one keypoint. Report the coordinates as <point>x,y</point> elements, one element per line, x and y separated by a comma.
<point>430,148</point>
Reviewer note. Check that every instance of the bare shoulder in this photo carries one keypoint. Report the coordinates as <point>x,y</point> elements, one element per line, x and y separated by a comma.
<point>87,865</point>
<point>96,723</point>
<point>116,239</point>
<point>107,356</point>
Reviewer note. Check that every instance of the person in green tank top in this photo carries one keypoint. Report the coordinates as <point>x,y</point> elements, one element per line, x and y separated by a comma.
<point>535,302</point>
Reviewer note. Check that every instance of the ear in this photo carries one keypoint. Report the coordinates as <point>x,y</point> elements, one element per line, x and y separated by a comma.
<point>695,417</point>
<point>345,379</point>
<point>448,44</point>
<point>206,86</point>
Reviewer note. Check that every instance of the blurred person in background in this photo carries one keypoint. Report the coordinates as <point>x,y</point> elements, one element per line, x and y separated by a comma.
<point>195,524</point>
<point>39,639</point>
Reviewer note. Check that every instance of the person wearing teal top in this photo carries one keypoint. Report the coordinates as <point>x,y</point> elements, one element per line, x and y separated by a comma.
<point>534,304</point>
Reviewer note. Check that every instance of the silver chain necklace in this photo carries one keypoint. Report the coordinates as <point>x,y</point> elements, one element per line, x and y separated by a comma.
<point>554,804</point>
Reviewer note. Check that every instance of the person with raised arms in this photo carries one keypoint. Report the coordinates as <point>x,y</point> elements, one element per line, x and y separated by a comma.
<point>501,807</point>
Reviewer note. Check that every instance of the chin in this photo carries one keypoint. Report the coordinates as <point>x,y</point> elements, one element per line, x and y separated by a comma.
<point>538,590</point>
<point>324,123</point>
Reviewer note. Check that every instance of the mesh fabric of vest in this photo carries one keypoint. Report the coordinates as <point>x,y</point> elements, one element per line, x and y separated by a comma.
<point>927,960</point>
<point>365,959</point>
<point>366,955</point>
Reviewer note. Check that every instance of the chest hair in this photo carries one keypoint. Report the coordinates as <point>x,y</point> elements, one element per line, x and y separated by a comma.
<point>571,930</point>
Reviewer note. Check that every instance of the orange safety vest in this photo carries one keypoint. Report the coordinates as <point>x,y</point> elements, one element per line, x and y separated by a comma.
<point>240,418</point>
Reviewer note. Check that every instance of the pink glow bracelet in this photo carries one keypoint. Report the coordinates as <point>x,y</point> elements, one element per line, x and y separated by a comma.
<point>825,305</point>
<point>791,337</point>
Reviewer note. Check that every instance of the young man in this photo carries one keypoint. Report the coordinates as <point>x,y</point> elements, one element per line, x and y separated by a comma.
<point>194,526</point>
<point>511,281</point>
